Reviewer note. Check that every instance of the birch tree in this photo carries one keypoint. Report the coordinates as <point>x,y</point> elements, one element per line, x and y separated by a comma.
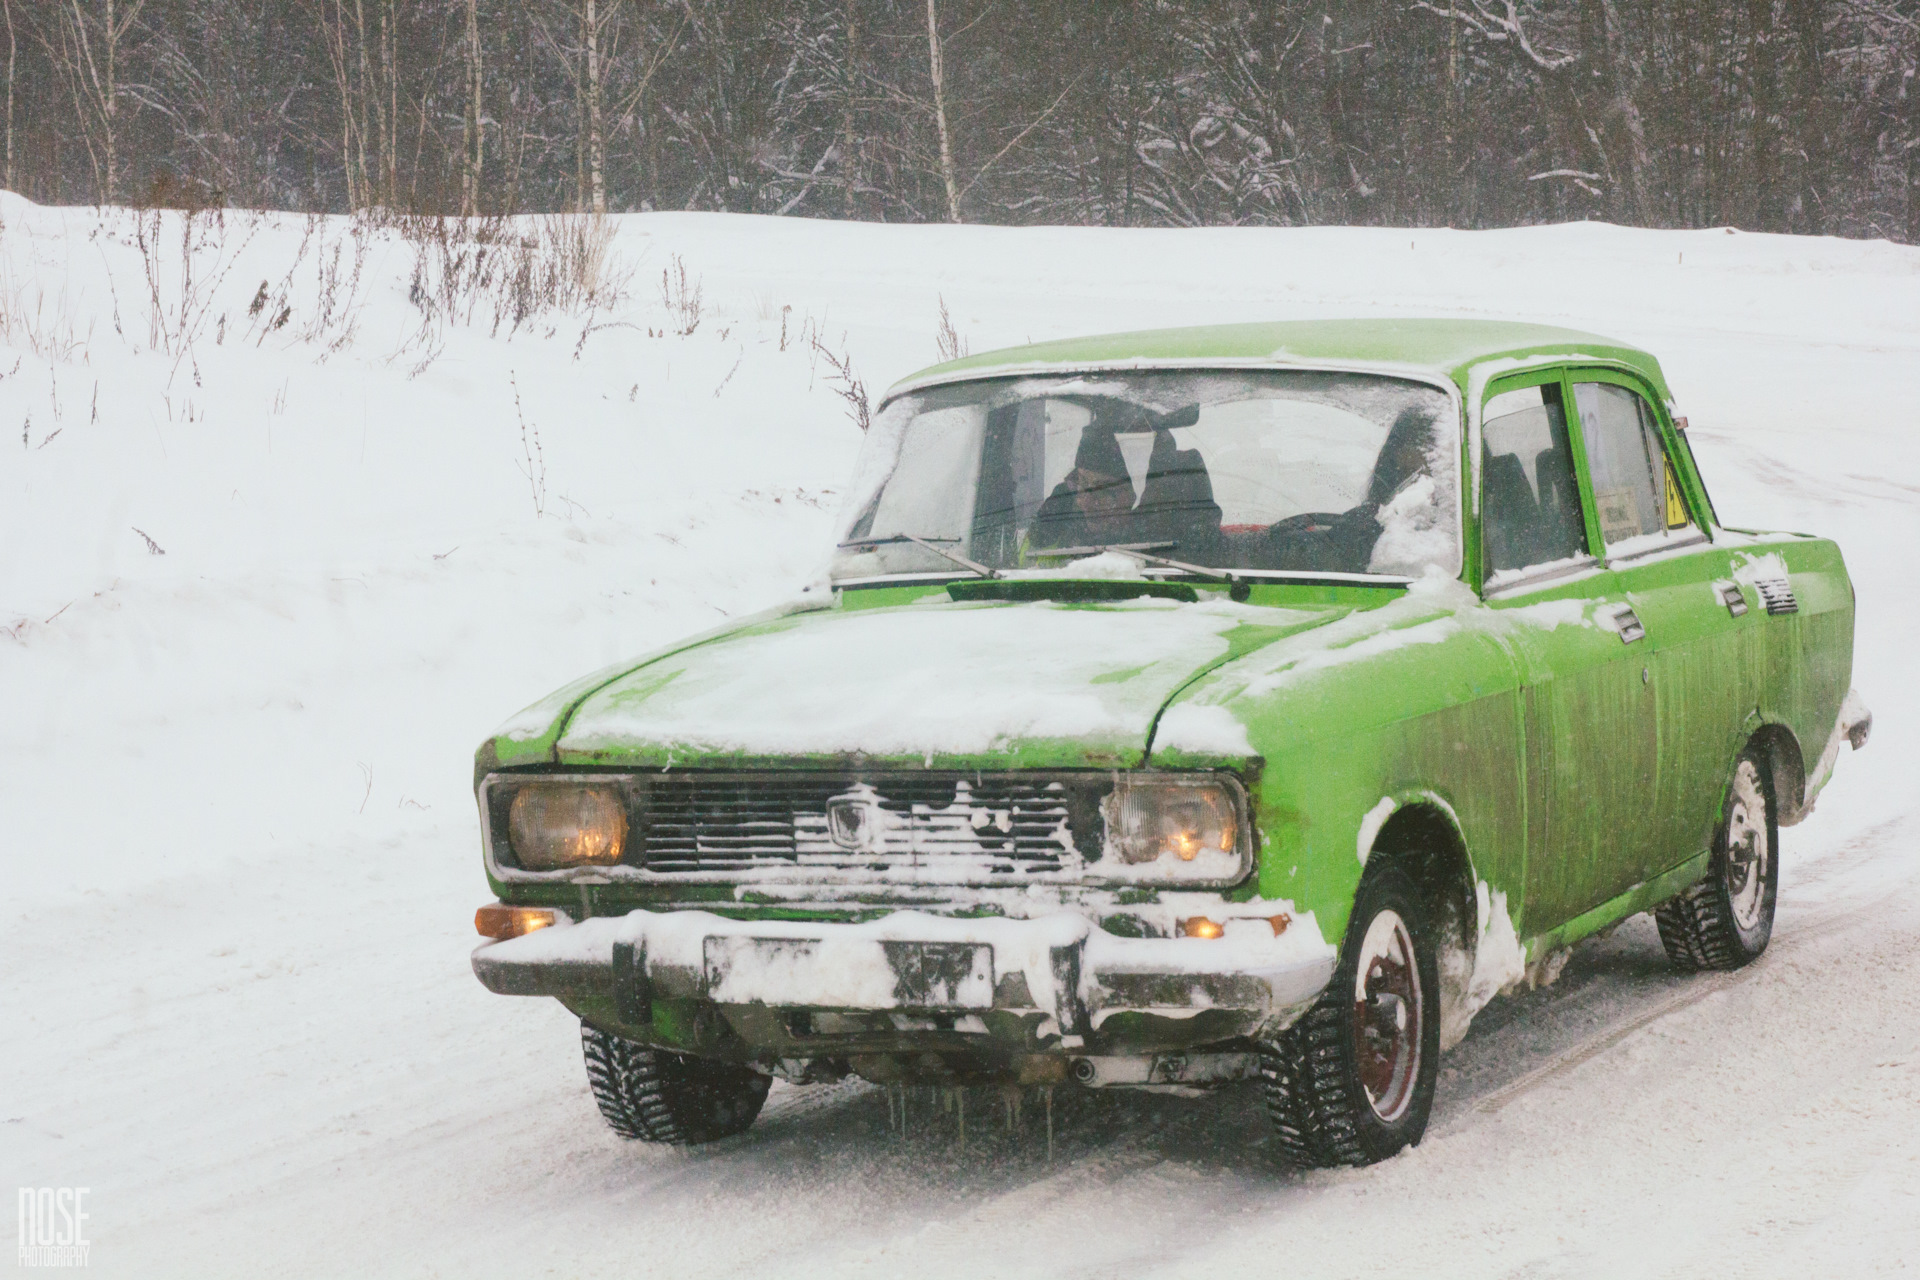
<point>596,137</point>
<point>474,148</point>
<point>93,49</point>
<point>936,66</point>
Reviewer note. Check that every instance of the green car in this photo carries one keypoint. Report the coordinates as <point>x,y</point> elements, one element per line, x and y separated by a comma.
<point>1186,707</point>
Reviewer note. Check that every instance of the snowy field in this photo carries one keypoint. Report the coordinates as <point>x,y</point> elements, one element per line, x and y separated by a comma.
<point>396,505</point>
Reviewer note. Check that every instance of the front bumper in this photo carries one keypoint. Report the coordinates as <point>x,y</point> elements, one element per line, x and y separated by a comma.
<point>1054,984</point>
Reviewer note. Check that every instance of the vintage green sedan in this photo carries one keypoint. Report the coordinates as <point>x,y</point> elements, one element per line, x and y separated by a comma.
<point>1238,703</point>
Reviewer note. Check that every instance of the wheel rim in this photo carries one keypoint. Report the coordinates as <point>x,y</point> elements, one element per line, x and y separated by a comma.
<point>1388,1014</point>
<point>1749,852</point>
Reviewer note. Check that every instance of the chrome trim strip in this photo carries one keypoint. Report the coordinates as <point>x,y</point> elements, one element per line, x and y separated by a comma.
<point>1586,565</point>
<point>1679,544</point>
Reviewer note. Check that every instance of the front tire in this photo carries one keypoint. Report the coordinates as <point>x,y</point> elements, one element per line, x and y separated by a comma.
<point>656,1096</point>
<point>1351,1083</point>
<point>1726,920</point>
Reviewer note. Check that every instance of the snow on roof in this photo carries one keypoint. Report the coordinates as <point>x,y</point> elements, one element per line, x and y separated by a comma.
<point>1437,347</point>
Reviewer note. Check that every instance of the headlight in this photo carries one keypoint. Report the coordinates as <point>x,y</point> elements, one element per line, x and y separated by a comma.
<point>1174,829</point>
<point>557,825</point>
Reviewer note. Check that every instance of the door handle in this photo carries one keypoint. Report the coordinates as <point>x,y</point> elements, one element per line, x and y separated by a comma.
<point>1627,625</point>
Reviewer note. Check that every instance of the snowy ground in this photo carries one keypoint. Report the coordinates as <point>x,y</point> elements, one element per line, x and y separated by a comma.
<point>240,847</point>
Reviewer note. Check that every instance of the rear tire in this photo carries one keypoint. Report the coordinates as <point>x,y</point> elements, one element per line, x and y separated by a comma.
<point>1726,920</point>
<point>656,1096</point>
<point>1351,1083</point>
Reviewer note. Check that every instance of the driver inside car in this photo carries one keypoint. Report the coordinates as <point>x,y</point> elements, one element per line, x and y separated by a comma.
<point>1097,503</point>
<point>1094,503</point>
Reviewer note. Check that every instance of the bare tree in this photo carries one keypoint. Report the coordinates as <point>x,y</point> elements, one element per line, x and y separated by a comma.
<point>1795,115</point>
<point>346,49</point>
<point>596,138</point>
<point>93,54</point>
<point>936,66</point>
<point>474,157</point>
<point>13,50</point>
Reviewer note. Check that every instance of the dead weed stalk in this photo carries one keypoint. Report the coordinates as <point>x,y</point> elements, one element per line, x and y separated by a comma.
<point>846,384</point>
<point>680,299</point>
<point>947,339</point>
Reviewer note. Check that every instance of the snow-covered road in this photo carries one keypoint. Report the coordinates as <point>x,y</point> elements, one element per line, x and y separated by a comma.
<point>242,862</point>
<point>289,1081</point>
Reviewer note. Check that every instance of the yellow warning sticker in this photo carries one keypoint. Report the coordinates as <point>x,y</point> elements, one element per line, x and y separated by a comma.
<point>1676,505</point>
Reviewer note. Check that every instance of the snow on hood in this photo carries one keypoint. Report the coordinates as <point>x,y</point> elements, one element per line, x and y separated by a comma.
<point>919,680</point>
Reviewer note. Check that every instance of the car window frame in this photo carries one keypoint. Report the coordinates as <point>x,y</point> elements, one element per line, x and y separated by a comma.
<point>1466,491</point>
<point>1590,560</point>
<point>1692,477</point>
<point>1674,456</point>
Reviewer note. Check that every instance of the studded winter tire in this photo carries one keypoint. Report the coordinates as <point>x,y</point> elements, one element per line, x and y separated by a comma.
<point>1726,920</point>
<point>1352,1082</point>
<point>657,1096</point>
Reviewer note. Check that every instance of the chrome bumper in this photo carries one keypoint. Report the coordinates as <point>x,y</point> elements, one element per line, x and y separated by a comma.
<point>1076,975</point>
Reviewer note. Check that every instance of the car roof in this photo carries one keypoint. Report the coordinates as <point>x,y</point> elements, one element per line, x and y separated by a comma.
<point>1449,348</point>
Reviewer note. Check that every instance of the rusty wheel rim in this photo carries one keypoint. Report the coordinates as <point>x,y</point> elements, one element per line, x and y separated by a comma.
<point>1388,1014</point>
<point>1749,853</point>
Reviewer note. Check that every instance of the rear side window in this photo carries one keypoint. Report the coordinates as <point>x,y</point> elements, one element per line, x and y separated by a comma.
<point>1636,494</point>
<point>1530,500</point>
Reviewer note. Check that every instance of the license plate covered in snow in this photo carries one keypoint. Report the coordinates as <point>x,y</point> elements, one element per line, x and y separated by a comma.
<point>849,973</point>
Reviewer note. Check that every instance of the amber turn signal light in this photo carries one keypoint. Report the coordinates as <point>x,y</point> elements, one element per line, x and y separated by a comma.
<point>499,921</point>
<point>1201,927</point>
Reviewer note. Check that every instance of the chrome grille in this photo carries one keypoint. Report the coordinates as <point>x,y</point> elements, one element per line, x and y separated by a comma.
<point>971,825</point>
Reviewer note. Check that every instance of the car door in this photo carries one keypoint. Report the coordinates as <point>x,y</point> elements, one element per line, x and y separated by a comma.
<point>1590,729</point>
<point>1681,587</point>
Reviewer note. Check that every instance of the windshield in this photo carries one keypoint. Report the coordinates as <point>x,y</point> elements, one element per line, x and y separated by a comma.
<point>1266,471</point>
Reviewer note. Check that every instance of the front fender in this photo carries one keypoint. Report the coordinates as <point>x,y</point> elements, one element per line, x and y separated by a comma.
<point>1415,702</point>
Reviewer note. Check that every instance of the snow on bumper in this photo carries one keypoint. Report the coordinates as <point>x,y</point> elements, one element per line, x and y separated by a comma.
<point>910,961</point>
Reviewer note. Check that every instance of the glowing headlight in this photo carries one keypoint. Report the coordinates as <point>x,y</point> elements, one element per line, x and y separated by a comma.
<point>1174,829</point>
<point>556,825</point>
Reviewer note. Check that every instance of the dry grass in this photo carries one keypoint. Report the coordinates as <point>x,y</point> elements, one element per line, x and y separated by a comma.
<point>510,273</point>
<point>182,273</point>
<point>29,322</point>
<point>328,314</point>
<point>846,384</point>
<point>947,339</point>
<point>680,299</point>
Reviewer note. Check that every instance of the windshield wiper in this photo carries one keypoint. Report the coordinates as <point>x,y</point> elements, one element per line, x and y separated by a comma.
<point>1139,551</point>
<point>1124,547</point>
<point>929,544</point>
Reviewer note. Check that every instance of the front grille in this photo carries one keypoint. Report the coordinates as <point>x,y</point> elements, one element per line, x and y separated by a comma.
<point>936,827</point>
<point>997,825</point>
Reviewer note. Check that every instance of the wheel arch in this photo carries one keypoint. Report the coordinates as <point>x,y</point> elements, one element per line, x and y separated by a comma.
<point>1786,768</point>
<point>1423,836</point>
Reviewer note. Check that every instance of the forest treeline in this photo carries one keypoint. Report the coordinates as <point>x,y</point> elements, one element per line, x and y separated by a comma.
<point>1787,115</point>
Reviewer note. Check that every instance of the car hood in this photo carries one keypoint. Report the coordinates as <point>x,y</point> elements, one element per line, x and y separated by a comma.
<point>935,683</point>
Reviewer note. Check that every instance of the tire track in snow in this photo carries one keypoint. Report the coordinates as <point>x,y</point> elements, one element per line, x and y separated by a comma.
<point>1804,931</point>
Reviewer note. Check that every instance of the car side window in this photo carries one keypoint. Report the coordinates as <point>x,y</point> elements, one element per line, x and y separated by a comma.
<point>1530,500</point>
<point>1635,492</point>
